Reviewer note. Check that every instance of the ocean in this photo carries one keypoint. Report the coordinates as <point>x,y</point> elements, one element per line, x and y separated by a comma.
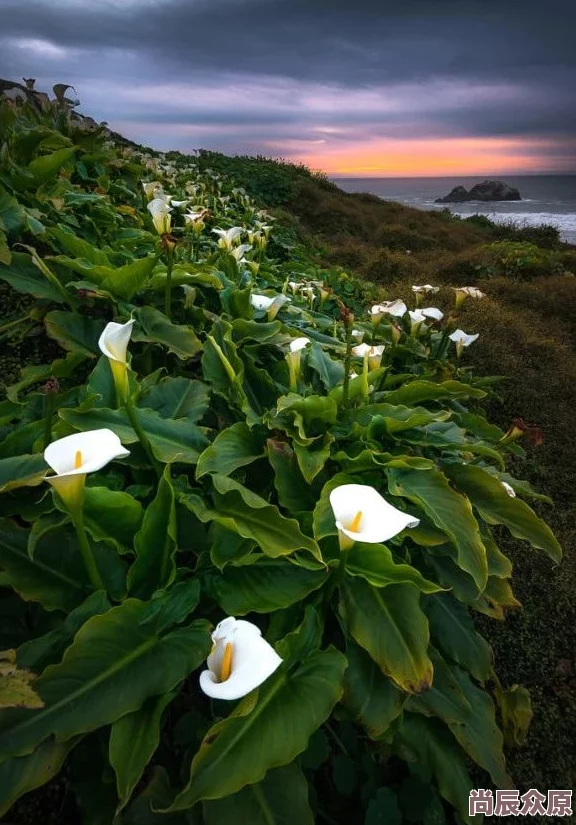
<point>549,199</point>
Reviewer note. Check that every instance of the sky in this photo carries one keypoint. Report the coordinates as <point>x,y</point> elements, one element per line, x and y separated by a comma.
<point>359,88</point>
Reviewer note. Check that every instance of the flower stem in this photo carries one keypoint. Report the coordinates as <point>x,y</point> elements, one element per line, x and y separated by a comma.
<point>86,550</point>
<point>142,437</point>
<point>168,293</point>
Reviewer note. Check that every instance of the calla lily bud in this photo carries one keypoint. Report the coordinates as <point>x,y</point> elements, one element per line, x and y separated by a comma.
<point>293,359</point>
<point>73,456</point>
<point>113,344</point>
<point>240,661</point>
<point>362,514</point>
<point>461,339</point>
<point>509,489</point>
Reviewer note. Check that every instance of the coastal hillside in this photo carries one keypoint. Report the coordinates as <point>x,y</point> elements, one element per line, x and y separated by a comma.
<point>276,534</point>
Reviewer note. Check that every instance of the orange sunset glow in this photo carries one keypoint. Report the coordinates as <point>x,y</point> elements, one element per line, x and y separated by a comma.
<point>427,157</point>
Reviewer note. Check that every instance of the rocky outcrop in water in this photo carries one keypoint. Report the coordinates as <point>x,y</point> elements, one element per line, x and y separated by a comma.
<point>489,190</point>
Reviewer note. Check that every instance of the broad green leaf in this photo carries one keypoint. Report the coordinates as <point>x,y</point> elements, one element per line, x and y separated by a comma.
<point>155,543</point>
<point>304,418</point>
<point>479,734</point>
<point>281,798</point>
<point>154,327</point>
<point>495,506</point>
<point>395,417</point>
<point>178,398</point>
<point>268,729</point>
<point>232,448</point>
<point>156,795</point>
<point>133,740</point>
<point>22,439</point>
<point>22,471</point>
<point>239,509</point>
<point>450,511</point>
<point>26,773</point>
<point>453,632</point>
<point>293,492</point>
<point>74,332</point>
<point>372,697</point>
<point>246,330</point>
<point>21,273</point>
<point>49,166</point>
<point>429,742</point>
<point>60,368</point>
<point>115,663</point>
<point>122,282</point>
<point>172,440</point>
<point>55,577</point>
<point>175,605</point>
<point>44,650</point>
<point>265,585</point>
<point>330,372</point>
<point>79,247</point>
<point>383,809</point>
<point>112,516</point>
<point>312,458</point>
<point>516,714</point>
<point>390,625</point>
<point>374,563</point>
<point>444,698</point>
<point>324,519</point>
<point>417,391</point>
<point>228,547</point>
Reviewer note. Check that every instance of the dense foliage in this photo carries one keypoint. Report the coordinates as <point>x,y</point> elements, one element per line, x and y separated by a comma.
<point>236,440</point>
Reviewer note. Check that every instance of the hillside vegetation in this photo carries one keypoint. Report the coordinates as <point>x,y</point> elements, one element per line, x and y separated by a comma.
<point>192,434</point>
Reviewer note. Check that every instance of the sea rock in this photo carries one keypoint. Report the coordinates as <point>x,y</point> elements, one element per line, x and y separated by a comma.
<point>489,190</point>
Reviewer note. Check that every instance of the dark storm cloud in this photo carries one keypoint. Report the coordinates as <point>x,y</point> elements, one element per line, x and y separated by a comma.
<point>375,69</point>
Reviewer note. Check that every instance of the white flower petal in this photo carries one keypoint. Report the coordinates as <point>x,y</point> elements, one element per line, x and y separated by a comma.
<point>114,340</point>
<point>361,350</point>
<point>261,302</point>
<point>432,312</point>
<point>462,338</point>
<point>380,521</point>
<point>298,344</point>
<point>96,447</point>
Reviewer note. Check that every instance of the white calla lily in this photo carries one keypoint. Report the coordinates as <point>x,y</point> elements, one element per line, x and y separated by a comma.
<point>160,211</point>
<point>432,312</point>
<point>152,189</point>
<point>416,316</point>
<point>240,251</point>
<point>361,350</point>
<point>372,355</point>
<point>358,335</point>
<point>240,661</point>
<point>395,308</point>
<point>362,514</point>
<point>113,344</point>
<point>269,304</point>
<point>463,292</point>
<point>425,288</point>
<point>226,237</point>
<point>83,453</point>
<point>462,339</point>
<point>298,344</point>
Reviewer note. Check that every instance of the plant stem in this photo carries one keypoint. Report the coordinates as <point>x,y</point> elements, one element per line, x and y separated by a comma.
<point>142,437</point>
<point>168,293</point>
<point>86,550</point>
<point>12,324</point>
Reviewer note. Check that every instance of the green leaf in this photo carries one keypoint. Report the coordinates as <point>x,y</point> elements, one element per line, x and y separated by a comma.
<point>428,742</point>
<point>281,798</point>
<point>172,440</point>
<point>372,697</point>
<point>383,809</point>
<point>312,458</point>
<point>232,448</point>
<point>122,282</point>
<point>444,699</point>
<point>79,247</point>
<point>374,563</point>
<point>115,663</point>
<point>516,714</point>
<point>155,543</point>
<point>330,372</point>
<point>16,689</point>
<point>178,398</point>
<point>453,632</point>
<point>324,519</point>
<point>479,734</point>
<point>26,773</point>
<point>21,273</point>
<point>390,625</point>
<point>293,492</point>
<point>263,586</point>
<point>417,391</point>
<point>112,516</point>
<point>450,511</point>
<point>133,741</point>
<point>496,507</point>
<point>55,577</point>
<point>22,471</point>
<point>269,728</point>
<point>49,166</point>
<point>74,332</point>
<point>395,418</point>
<point>155,327</point>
